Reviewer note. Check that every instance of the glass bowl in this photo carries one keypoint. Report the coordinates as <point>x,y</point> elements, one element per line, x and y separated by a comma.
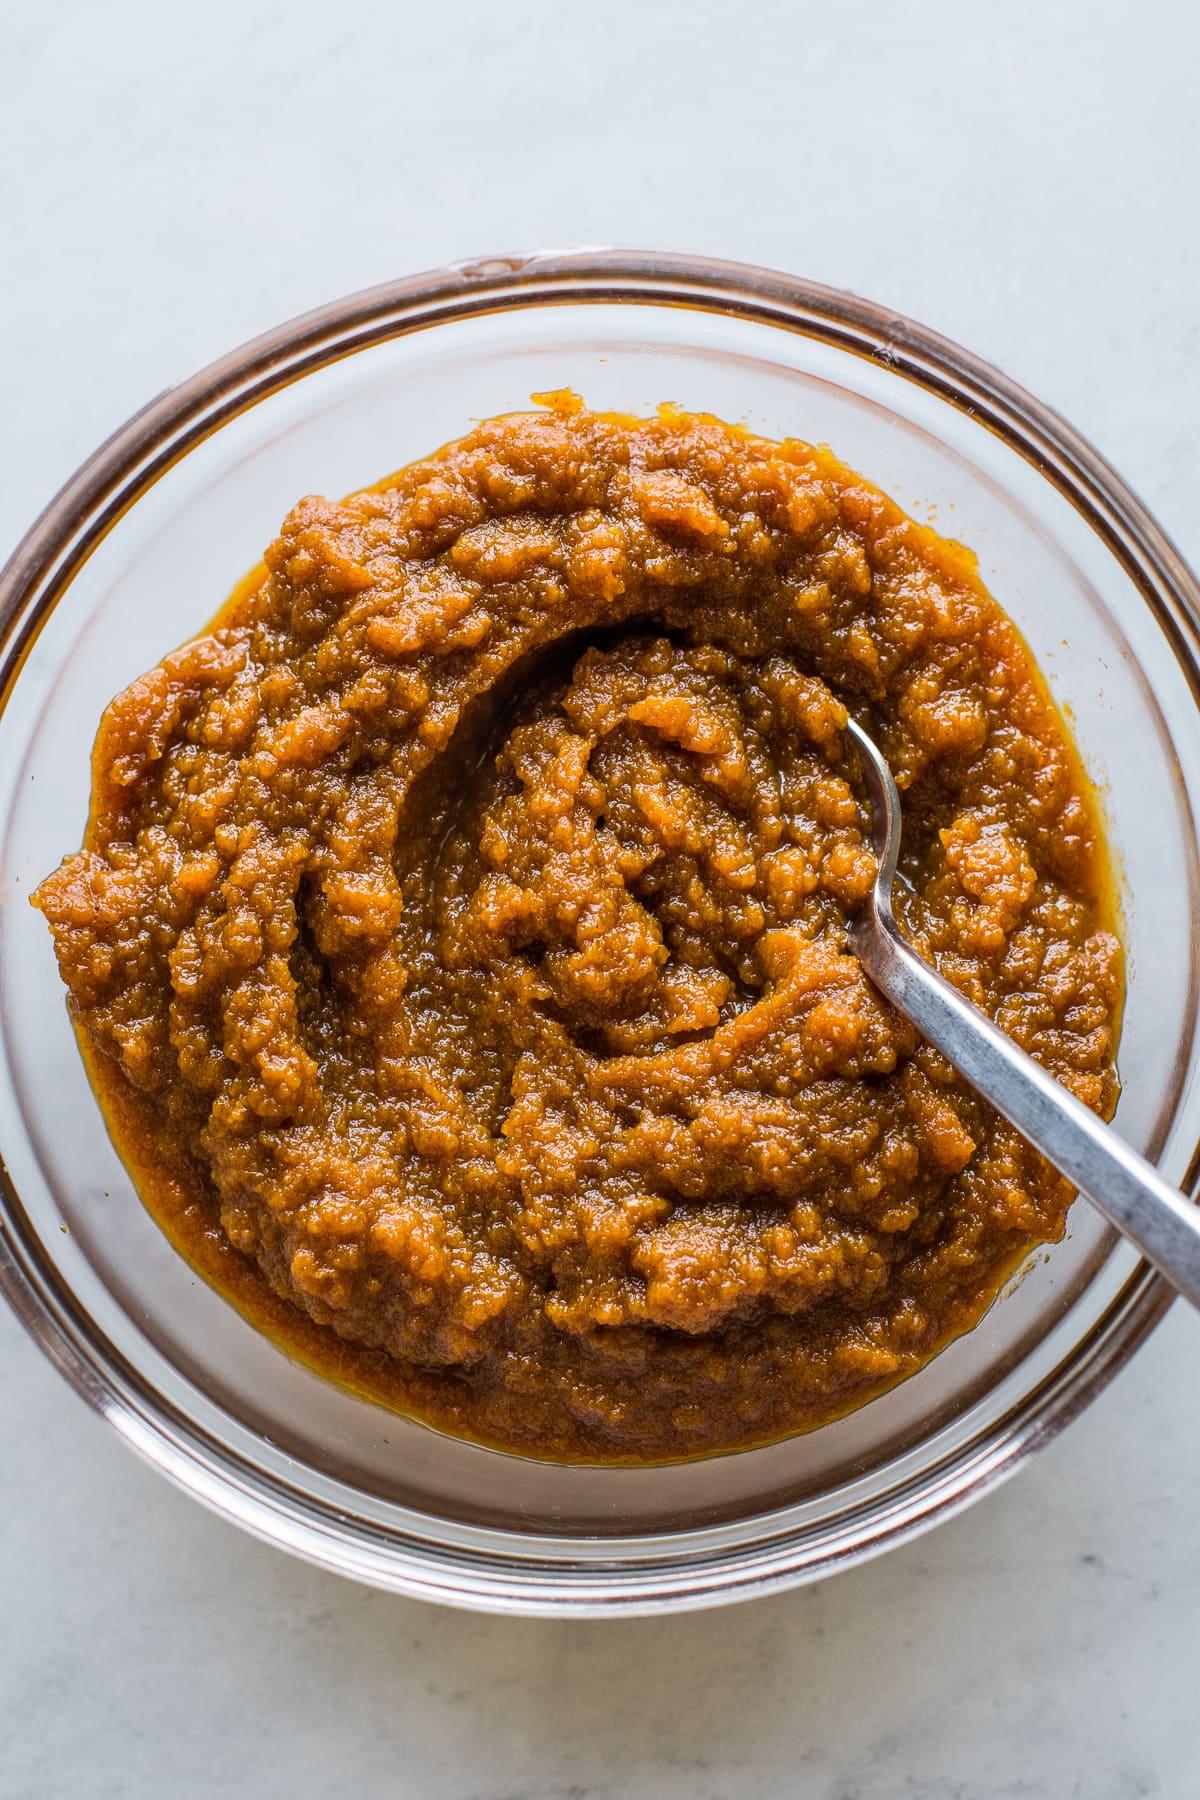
<point>137,552</point>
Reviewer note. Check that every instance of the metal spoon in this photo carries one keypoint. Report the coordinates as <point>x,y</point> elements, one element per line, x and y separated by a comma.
<point>1130,1193</point>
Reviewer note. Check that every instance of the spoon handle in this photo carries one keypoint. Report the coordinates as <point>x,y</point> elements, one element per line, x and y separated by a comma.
<point>1130,1193</point>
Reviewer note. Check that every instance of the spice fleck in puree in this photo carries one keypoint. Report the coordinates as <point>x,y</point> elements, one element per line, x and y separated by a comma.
<point>459,943</point>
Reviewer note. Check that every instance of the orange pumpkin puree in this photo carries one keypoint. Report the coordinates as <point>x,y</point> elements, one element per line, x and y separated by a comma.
<point>459,941</point>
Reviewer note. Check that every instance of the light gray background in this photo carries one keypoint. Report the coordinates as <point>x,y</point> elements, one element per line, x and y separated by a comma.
<point>1021,176</point>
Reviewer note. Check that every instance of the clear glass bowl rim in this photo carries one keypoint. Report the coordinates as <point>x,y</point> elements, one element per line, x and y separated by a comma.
<point>160,434</point>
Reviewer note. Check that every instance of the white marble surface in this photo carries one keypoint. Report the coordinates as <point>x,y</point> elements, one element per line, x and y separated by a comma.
<point>1023,176</point>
